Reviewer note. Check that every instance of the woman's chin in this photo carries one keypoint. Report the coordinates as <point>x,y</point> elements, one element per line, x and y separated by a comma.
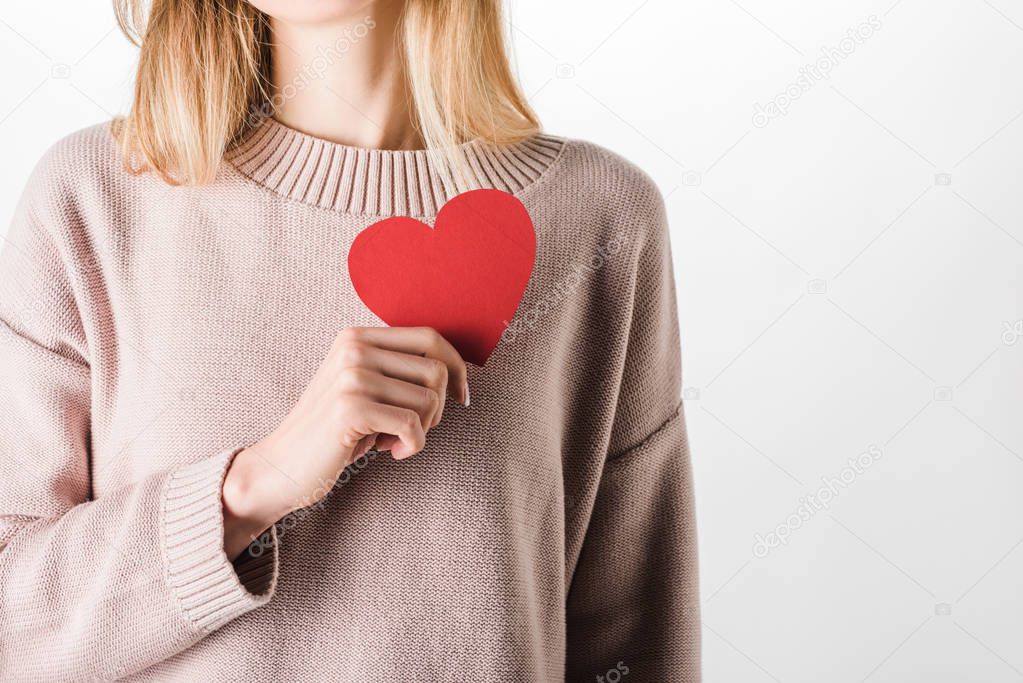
<point>313,11</point>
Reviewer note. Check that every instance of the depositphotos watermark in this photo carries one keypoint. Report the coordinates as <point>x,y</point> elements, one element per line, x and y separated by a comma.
<point>265,542</point>
<point>313,71</point>
<point>529,319</point>
<point>815,502</point>
<point>1012,332</point>
<point>615,674</point>
<point>813,73</point>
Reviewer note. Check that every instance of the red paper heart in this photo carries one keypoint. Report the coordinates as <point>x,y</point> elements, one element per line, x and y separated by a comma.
<point>464,277</point>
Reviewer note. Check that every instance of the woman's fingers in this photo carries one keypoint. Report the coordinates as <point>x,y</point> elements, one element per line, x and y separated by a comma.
<point>365,443</point>
<point>403,423</point>
<point>386,374</point>
<point>417,341</point>
<point>419,370</point>
<point>368,383</point>
<point>385,442</point>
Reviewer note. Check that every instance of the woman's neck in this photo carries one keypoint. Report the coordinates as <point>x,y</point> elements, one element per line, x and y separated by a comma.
<point>344,81</point>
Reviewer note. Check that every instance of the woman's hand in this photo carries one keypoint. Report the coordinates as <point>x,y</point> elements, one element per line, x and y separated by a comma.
<point>380,387</point>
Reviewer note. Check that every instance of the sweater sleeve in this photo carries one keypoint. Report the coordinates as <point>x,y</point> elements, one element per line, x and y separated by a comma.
<point>633,607</point>
<point>93,587</point>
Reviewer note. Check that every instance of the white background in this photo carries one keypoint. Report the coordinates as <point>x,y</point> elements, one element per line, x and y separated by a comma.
<point>849,277</point>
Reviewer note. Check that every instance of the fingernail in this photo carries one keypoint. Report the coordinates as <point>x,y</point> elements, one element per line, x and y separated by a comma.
<point>465,391</point>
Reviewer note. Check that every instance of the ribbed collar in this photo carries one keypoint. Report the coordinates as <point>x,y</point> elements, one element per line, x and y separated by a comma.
<point>360,181</point>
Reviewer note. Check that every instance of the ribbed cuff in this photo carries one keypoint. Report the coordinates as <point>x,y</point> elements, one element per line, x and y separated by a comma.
<point>210,590</point>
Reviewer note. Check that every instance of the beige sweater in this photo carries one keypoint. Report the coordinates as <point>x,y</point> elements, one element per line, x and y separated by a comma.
<point>149,331</point>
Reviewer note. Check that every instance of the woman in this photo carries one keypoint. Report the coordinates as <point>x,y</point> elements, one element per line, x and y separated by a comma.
<point>197,397</point>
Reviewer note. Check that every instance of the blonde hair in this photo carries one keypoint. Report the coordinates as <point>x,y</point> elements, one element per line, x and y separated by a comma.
<point>204,70</point>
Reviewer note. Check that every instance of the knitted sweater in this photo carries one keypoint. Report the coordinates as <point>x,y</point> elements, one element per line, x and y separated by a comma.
<point>148,332</point>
